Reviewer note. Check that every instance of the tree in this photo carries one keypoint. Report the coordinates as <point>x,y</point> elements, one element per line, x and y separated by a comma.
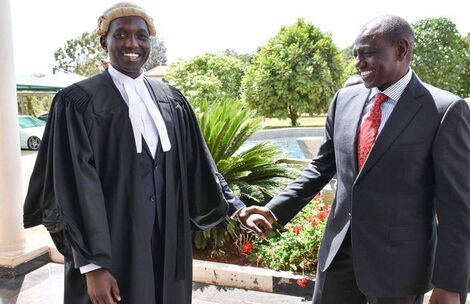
<point>245,58</point>
<point>441,55</point>
<point>157,54</point>
<point>350,62</point>
<point>34,105</point>
<point>296,72</point>
<point>208,77</point>
<point>85,56</point>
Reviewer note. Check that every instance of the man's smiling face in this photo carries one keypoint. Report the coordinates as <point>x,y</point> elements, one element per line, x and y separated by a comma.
<point>377,59</point>
<point>128,44</point>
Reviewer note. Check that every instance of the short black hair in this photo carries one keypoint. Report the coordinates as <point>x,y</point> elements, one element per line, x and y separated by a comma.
<point>395,28</point>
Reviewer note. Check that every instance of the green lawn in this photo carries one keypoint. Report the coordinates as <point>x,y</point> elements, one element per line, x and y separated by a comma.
<point>305,121</point>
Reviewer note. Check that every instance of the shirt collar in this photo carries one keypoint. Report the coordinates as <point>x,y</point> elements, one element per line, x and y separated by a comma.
<point>395,90</point>
<point>121,78</point>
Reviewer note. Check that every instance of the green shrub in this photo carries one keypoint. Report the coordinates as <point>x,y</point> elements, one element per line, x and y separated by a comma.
<point>208,77</point>
<point>34,105</point>
<point>254,175</point>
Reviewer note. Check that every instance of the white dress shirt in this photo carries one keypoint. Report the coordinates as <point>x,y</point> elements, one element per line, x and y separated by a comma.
<point>393,93</point>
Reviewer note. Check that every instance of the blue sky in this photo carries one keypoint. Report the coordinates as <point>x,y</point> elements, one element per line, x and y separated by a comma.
<point>195,27</point>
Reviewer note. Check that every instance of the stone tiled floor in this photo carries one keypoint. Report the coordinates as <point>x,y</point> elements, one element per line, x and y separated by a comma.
<point>42,286</point>
<point>45,286</point>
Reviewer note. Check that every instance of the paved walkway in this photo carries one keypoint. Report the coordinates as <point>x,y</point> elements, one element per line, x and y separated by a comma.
<point>45,286</point>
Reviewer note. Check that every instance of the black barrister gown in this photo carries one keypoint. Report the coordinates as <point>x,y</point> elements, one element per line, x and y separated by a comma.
<point>86,189</point>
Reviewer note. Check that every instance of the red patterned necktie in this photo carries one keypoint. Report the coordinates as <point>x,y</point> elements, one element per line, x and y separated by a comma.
<point>369,129</point>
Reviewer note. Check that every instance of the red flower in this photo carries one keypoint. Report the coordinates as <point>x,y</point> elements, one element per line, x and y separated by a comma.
<point>312,221</point>
<point>302,282</point>
<point>318,197</point>
<point>247,247</point>
<point>297,229</point>
<point>322,215</point>
<point>326,208</point>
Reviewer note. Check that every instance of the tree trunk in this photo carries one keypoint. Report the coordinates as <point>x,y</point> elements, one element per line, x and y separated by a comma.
<point>294,116</point>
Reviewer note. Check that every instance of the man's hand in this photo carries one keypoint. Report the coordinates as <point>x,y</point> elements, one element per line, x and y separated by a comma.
<point>258,219</point>
<point>442,296</point>
<point>102,287</point>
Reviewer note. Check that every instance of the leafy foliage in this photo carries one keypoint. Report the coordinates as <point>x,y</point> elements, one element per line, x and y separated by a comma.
<point>297,71</point>
<point>254,175</point>
<point>442,55</point>
<point>34,105</point>
<point>85,56</point>
<point>209,77</point>
<point>245,58</point>
<point>295,247</point>
<point>157,54</point>
<point>350,63</point>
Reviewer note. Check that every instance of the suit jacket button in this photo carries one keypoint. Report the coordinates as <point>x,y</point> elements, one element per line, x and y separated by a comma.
<point>152,198</point>
<point>349,214</point>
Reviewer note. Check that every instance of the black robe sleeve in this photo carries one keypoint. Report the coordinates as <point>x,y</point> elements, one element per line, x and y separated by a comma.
<point>65,192</point>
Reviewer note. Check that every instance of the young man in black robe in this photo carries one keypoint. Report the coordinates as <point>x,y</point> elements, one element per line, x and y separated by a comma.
<point>122,176</point>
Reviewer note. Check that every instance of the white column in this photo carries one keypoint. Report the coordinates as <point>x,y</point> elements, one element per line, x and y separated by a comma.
<point>12,235</point>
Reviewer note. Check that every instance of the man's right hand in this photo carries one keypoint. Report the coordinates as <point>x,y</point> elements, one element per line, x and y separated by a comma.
<point>102,287</point>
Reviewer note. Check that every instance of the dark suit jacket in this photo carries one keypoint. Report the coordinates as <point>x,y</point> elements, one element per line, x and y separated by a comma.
<point>419,165</point>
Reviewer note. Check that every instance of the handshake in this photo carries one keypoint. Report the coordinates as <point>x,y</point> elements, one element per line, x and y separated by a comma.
<point>256,219</point>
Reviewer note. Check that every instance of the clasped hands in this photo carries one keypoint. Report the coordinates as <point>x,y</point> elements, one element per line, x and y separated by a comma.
<point>256,219</point>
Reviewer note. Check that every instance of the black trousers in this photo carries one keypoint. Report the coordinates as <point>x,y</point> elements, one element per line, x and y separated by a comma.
<point>337,285</point>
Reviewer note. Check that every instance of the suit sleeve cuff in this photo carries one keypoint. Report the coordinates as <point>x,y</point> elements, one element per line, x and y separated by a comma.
<point>274,216</point>
<point>82,264</point>
<point>88,268</point>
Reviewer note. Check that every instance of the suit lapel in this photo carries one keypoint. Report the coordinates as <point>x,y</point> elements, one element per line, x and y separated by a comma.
<point>351,123</point>
<point>401,116</point>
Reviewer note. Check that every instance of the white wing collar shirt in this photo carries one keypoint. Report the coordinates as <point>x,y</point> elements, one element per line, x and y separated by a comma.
<point>146,119</point>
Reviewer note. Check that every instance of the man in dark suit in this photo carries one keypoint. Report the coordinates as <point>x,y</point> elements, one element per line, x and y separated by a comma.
<point>401,151</point>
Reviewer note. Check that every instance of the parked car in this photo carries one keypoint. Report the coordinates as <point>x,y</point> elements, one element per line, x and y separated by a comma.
<point>31,131</point>
<point>43,116</point>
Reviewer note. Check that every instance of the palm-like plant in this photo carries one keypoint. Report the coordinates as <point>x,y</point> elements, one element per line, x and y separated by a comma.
<point>254,174</point>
